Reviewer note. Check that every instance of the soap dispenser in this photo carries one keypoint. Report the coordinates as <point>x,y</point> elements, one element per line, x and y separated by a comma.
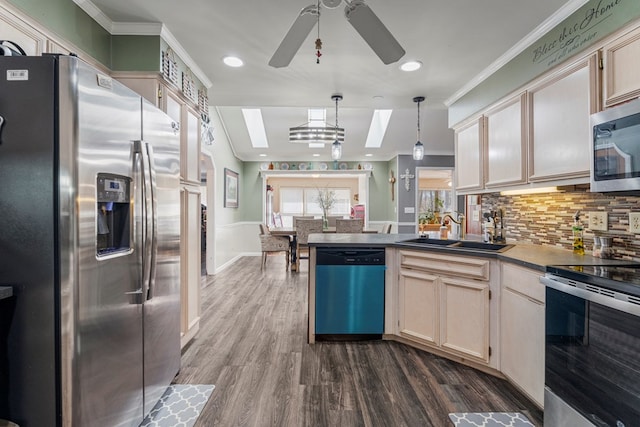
<point>578,241</point>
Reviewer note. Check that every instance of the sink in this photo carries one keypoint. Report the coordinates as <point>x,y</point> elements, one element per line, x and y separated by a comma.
<point>428,241</point>
<point>460,244</point>
<point>483,246</point>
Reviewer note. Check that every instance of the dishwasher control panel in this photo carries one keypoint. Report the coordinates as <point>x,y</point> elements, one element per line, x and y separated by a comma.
<point>350,256</point>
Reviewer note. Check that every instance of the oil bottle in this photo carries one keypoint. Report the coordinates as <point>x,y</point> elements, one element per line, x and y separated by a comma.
<point>578,241</point>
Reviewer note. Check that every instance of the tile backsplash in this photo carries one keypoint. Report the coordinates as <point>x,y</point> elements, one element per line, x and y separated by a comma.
<point>546,219</point>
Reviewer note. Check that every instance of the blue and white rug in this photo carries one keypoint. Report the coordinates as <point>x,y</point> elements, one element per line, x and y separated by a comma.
<point>490,419</point>
<point>179,406</point>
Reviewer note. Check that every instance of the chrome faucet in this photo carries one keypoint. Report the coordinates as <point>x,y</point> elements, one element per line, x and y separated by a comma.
<point>461,221</point>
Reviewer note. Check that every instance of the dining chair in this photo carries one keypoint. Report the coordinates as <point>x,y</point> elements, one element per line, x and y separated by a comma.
<point>331,220</point>
<point>296,218</point>
<point>305,227</point>
<point>349,225</point>
<point>273,244</point>
<point>386,229</point>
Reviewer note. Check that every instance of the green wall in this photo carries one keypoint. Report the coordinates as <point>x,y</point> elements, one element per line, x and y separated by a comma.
<point>380,207</point>
<point>589,24</point>
<point>136,53</point>
<point>68,21</point>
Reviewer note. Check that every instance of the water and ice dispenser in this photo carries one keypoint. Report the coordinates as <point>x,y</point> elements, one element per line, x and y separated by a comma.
<point>113,217</point>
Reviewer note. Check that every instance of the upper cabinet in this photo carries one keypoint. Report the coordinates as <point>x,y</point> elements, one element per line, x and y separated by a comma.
<point>621,61</point>
<point>559,110</point>
<point>506,143</point>
<point>469,139</point>
<point>30,40</point>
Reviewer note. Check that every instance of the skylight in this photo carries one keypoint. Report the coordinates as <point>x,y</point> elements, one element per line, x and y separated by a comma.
<point>255,126</point>
<point>378,127</point>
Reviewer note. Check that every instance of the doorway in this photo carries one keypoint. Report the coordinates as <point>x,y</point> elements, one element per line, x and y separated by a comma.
<point>207,212</point>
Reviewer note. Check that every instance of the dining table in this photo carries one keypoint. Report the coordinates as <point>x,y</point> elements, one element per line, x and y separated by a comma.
<point>293,243</point>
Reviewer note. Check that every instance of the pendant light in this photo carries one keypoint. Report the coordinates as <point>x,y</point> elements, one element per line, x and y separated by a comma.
<point>418,149</point>
<point>336,147</point>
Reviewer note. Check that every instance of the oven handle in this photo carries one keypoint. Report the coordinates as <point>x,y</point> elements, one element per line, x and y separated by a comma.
<point>619,301</point>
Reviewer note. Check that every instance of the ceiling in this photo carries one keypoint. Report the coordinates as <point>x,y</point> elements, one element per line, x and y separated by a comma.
<point>457,41</point>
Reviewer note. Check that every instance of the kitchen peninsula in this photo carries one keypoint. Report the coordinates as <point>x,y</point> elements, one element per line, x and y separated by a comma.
<point>444,297</point>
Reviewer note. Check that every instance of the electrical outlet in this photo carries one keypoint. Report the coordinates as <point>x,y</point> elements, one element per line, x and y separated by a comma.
<point>634,222</point>
<point>598,221</point>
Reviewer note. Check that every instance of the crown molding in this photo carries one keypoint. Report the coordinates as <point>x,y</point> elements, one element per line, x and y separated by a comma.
<point>560,15</point>
<point>143,29</point>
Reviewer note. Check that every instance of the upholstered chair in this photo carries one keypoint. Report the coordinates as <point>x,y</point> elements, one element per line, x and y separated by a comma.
<point>297,218</point>
<point>271,244</point>
<point>331,220</point>
<point>349,225</point>
<point>304,227</point>
<point>386,229</point>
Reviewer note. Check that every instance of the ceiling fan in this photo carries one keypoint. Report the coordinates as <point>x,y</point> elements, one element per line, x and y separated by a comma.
<point>359,15</point>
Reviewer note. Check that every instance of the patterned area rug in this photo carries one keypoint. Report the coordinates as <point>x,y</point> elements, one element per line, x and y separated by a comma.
<point>490,419</point>
<point>179,406</point>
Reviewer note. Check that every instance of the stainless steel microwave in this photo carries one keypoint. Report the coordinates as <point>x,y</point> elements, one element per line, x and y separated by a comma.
<point>615,148</point>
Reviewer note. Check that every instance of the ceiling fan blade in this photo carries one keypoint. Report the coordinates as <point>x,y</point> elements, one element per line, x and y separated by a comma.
<point>373,31</point>
<point>297,34</point>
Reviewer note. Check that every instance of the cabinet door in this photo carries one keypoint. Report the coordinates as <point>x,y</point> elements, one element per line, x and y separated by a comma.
<point>190,262</point>
<point>522,337</point>
<point>506,143</point>
<point>559,111</point>
<point>16,30</point>
<point>621,64</point>
<point>190,147</point>
<point>465,317</point>
<point>522,334</point>
<point>468,155</point>
<point>419,308</point>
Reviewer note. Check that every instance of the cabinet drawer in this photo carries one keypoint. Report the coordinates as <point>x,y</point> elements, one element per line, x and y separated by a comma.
<point>459,266</point>
<point>523,281</point>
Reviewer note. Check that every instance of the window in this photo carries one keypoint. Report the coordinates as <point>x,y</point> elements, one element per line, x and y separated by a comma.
<point>303,201</point>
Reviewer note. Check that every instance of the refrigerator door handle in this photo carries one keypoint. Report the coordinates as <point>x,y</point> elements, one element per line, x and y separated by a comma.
<point>153,253</point>
<point>1,125</point>
<point>147,207</point>
<point>135,297</point>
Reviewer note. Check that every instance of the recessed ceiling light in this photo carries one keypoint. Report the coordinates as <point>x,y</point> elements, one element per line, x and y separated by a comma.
<point>316,155</point>
<point>233,61</point>
<point>411,66</point>
<point>263,155</point>
<point>368,155</point>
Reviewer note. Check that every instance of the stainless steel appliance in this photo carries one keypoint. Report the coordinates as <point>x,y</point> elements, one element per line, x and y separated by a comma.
<point>89,239</point>
<point>615,148</point>
<point>349,293</point>
<point>592,346</point>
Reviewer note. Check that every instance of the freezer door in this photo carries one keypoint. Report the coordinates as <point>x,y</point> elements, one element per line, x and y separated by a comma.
<point>162,305</point>
<point>107,373</point>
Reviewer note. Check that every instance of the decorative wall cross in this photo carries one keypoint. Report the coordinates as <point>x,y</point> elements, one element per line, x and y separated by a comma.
<point>407,179</point>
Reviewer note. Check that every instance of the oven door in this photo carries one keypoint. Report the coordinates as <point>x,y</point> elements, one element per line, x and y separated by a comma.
<point>592,357</point>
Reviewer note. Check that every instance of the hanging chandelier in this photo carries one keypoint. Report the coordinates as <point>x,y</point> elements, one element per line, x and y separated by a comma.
<point>418,148</point>
<point>316,131</point>
<point>336,147</point>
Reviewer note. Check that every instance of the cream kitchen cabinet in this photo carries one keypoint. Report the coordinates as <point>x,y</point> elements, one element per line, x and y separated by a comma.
<point>189,263</point>
<point>522,332</point>
<point>506,143</point>
<point>27,37</point>
<point>469,139</point>
<point>559,111</point>
<point>419,306</point>
<point>621,62</point>
<point>190,146</point>
<point>444,303</point>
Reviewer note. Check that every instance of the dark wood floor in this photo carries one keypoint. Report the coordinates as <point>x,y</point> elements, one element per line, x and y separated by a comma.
<point>252,346</point>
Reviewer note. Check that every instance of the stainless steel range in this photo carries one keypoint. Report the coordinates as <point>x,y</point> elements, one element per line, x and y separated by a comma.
<point>592,351</point>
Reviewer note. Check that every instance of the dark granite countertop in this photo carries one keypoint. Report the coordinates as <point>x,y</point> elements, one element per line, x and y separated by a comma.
<point>6,292</point>
<point>527,255</point>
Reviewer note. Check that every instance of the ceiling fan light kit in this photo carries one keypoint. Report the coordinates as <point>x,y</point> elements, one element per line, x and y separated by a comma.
<point>359,15</point>
<point>418,148</point>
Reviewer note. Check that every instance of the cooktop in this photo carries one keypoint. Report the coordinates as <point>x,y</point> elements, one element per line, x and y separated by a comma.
<point>624,278</point>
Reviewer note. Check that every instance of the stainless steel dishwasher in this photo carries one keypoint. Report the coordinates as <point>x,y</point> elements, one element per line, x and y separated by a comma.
<point>349,293</point>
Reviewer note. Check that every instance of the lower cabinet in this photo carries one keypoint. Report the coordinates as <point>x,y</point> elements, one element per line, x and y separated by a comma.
<point>522,330</point>
<point>441,309</point>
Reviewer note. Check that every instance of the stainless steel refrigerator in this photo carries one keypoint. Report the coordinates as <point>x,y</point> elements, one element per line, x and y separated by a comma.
<point>90,243</point>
